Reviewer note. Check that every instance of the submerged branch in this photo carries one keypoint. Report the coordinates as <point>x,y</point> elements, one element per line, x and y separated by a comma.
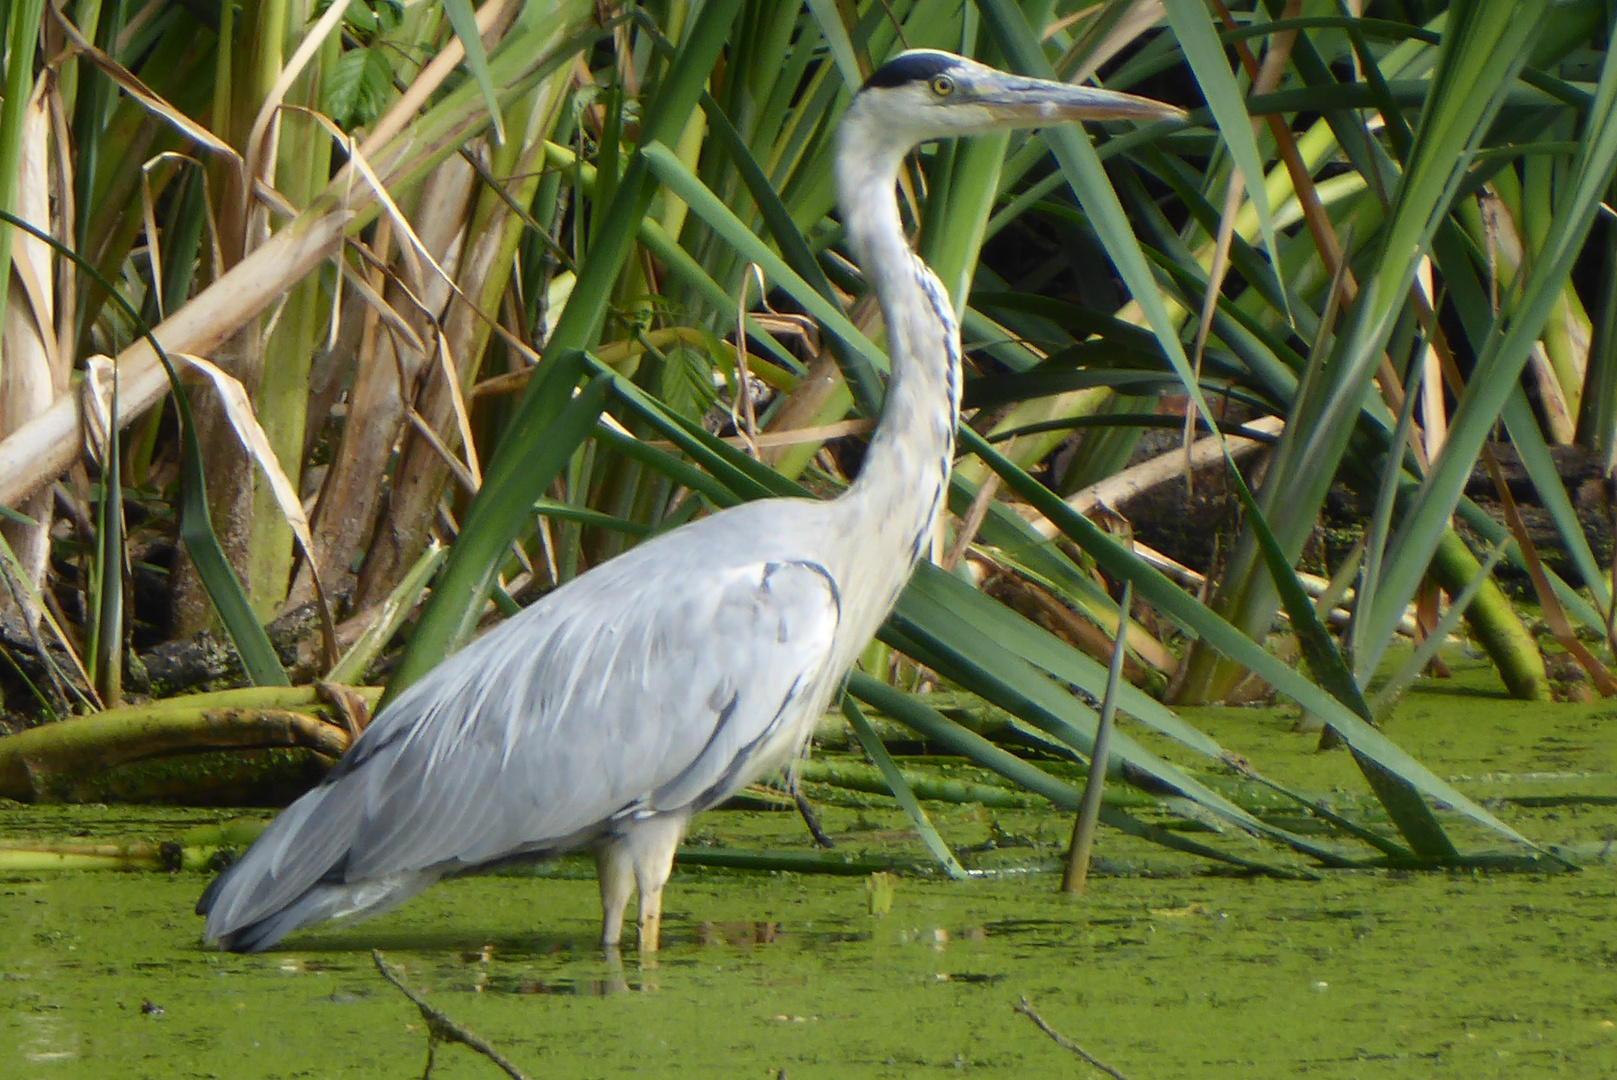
<point>1026,1009</point>
<point>441,1028</point>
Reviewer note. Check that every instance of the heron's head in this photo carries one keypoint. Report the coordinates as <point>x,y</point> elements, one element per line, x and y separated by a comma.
<point>925,94</point>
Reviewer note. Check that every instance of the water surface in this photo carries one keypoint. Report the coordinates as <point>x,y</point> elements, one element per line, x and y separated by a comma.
<point>1165,972</point>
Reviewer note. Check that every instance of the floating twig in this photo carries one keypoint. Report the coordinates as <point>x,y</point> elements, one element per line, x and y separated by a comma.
<point>441,1028</point>
<point>1024,1007</point>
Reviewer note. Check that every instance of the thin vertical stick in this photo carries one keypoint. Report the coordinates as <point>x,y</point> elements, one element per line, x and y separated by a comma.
<point>1083,830</point>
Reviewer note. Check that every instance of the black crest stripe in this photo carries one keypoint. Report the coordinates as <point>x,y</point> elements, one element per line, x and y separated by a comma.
<point>910,68</point>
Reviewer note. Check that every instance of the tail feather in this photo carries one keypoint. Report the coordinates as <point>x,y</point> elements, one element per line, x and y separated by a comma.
<point>322,902</point>
<point>293,876</point>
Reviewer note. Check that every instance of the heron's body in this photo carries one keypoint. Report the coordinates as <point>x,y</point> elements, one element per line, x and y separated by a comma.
<point>661,682</point>
<point>714,677</point>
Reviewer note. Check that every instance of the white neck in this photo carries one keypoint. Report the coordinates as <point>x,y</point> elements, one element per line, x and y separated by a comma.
<point>902,484</point>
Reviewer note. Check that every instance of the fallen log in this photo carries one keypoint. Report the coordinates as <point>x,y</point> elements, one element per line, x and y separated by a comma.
<point>41,763</point>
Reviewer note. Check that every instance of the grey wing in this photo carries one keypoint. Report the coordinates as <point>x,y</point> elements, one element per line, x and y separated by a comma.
<point>593,703</point>
<point>526,741</point>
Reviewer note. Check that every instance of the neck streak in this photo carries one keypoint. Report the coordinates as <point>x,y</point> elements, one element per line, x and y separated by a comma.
<point>900,489</point>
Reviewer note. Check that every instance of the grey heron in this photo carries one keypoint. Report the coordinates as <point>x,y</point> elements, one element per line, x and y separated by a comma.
<point>661,682</point>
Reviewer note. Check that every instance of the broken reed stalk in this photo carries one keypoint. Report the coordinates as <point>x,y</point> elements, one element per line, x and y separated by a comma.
<point>168,857</point>
<point>1024,1007</point>
<point>47,445</point>
<point>441,1028</point>
<point>1083,829</point>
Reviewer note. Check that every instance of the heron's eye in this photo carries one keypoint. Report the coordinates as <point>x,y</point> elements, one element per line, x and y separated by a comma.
<point>942,85</point>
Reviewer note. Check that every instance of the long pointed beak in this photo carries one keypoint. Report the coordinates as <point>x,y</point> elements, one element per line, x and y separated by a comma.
<point>1037,101</point>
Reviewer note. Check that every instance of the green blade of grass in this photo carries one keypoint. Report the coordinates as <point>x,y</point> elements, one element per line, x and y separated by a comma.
<point>901,789</point>
<point>1501,361</point>
<point>1398,796</point>
<point>704,204</point>
<point>550,424</point>
<point>1204,53</point>
<point>1087,178</point>
<point>926,628</point>
<point>1167,597</point>
<point>678,95</point>
<point>350,669</point>
<point>956,739</point>
<point>829,17</point>
<point>464,21</point>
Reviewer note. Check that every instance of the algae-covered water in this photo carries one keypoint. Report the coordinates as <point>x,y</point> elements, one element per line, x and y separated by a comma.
<point>1364,976</point>
<point>1180,973</point>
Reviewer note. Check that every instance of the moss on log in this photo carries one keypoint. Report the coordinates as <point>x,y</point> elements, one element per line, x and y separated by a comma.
<point>55,761</point>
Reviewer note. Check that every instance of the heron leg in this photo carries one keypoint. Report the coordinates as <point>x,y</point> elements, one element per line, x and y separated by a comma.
<point>810,818</point>
<point>640,856</point>
<point>614,869</point>
<point>655,840</point>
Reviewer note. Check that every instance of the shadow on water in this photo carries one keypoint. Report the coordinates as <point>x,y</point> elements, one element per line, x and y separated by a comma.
<point>360,938</point>
<point>471,944</point>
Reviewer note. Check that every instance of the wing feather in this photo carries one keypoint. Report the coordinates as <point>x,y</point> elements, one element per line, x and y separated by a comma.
<point>605,698</point>
<point>570,719</point>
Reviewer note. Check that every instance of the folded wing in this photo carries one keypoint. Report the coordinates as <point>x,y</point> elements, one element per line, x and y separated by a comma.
<point>605,698</point>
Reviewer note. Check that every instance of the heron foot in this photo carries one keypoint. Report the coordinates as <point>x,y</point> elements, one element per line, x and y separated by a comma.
<point>651,921</point>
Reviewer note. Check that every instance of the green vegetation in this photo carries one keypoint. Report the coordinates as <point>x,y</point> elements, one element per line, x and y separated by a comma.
<point>432,351</point>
